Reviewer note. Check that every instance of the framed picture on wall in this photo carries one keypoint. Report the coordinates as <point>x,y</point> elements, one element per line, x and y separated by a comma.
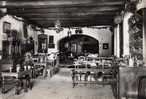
<point>6,27</point>
<point>105,45</point>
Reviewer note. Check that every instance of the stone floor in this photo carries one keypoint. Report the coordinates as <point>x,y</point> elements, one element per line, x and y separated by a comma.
<point>60,87</point>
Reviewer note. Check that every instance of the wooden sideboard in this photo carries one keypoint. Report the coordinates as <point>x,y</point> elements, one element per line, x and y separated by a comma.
<point>132,82</point>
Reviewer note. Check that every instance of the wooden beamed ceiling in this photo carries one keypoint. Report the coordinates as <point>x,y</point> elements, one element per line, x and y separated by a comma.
<point>44,13</point>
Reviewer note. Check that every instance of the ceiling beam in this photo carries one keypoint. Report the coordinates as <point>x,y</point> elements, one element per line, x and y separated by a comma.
<point>70,19</point>
<point>67,7</point>
<point>35,4</point>
<point>74,24</point>
<point>48,15</point>
<point>81,23</point>
<point>65,10</point>
<point>64,20</point>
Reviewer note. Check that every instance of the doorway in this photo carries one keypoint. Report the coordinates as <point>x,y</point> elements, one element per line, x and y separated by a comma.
<point>76,45</point>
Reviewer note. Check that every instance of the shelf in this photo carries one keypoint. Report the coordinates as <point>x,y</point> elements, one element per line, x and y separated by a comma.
<point>136,36</point>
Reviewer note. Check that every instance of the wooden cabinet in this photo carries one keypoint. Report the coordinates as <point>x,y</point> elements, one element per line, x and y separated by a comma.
<point>132,82</point>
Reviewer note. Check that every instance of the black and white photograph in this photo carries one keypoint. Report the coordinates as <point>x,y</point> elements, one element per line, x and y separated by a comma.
<point>72,49</point>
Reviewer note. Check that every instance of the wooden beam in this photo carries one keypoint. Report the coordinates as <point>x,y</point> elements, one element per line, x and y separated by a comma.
<point>68,7</point>
<point>71,19</point>
<point>76,24</point>
<point>74,21</point>
<point>35,4</point>
<point>65,10</point>
<point>49,15</point>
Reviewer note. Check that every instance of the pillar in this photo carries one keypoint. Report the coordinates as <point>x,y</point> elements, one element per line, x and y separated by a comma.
<point>126,49</point>
<point>117,40</point>
<point>144,35</point>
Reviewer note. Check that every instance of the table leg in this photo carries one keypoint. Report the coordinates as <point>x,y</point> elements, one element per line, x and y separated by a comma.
<point>29,82</point>
<point>3,84</point>
<point>80,77</point>
<point>73,80</point>
<point>26,84</point>
<point>44,72</point>
<point>17,87</point>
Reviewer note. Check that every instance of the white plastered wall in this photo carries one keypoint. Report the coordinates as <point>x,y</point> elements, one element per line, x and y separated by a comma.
<point>102,35</point>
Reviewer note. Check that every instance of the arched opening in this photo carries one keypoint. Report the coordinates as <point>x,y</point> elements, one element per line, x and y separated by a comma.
<point>76,45</point>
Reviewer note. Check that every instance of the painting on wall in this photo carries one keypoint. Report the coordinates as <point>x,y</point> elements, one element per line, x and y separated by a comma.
<point>6,27</point>
<point>105,45</point>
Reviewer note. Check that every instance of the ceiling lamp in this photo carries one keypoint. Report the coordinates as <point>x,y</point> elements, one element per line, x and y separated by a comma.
<point>4,3</point>
<point>58,27</point>
<point>118,19</point>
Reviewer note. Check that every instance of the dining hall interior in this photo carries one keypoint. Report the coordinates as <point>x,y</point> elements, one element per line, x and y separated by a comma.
<point>73,49</point>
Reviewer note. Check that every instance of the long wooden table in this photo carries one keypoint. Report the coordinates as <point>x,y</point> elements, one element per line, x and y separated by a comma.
<point>22,80</point>
<point>90,76</point>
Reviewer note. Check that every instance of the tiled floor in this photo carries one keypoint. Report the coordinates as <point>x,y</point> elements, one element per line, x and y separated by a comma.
<point>60,87</point>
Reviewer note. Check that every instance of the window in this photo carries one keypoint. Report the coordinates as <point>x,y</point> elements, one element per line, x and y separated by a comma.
<point>51,42</point>
<point>6,27</point>
<point>51,39</point>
